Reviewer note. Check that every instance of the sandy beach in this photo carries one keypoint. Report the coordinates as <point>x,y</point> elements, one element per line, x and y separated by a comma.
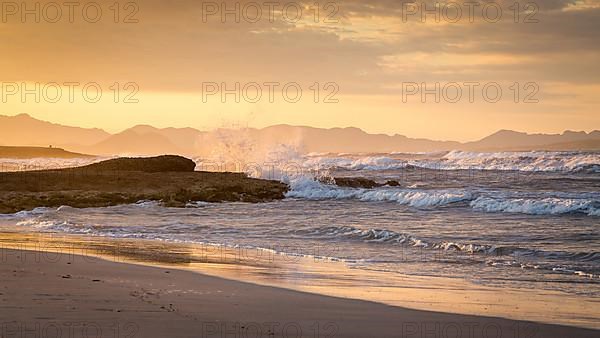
<point>69,295</point>
<point>318,169</point>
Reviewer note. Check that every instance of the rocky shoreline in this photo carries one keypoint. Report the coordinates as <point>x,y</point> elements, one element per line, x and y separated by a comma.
<point>168,179</point>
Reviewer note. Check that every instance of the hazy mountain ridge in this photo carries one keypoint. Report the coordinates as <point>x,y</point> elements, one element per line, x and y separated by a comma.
<point>352,140</point>
<point>24,130</point>
<point>509,139</point>
<point>131,142</point>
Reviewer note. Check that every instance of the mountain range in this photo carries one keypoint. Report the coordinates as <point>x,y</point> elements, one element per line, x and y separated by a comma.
<point>24,130</point>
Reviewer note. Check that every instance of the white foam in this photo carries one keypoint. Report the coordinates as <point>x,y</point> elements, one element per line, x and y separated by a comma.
<point>308,188</point>
<point>531,161</point>
<point>362,163</point>
<point>27,213</point>
<point>521,161</point>
<point>544,206</point>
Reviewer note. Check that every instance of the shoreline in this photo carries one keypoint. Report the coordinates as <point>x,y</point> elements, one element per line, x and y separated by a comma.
<point>143,301</point>
<point>185,290</point>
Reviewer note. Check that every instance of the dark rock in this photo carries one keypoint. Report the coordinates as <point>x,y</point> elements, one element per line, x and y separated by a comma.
<point>355,182</point>
<point>169,179</point>
<point>165,163</point>
<point>392,183</point>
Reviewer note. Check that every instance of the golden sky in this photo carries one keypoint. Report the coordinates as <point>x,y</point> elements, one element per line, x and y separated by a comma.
<point>370,60</point>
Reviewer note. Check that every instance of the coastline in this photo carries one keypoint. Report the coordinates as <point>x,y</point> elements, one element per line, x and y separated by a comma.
<point>161,297</point>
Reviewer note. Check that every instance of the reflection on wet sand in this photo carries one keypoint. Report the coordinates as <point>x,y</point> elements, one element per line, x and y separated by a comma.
<point>318,275</point>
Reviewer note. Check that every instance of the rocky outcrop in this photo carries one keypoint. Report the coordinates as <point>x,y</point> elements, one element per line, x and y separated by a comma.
<point>361,182</point>
<point>159,164</point>
<point>169,179</point>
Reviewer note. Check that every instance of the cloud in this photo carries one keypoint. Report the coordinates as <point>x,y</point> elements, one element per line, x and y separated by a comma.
<point>171,48</point>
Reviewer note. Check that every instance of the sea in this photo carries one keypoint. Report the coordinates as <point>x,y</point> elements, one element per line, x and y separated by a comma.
<point>514,220</point>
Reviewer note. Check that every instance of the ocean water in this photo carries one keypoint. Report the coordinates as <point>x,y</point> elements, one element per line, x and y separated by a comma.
<point>526,220</point>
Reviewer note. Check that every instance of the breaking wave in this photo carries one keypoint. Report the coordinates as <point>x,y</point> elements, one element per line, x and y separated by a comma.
<point>308,188</point>
<point>585,162</point>
<point>521,161</point>
<point>545,206</point>
<point>363,163</point>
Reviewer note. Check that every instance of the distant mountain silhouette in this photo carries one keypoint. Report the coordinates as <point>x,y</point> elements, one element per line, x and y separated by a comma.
<point>23,130</point>
<point>513,140</point>
<point>183,139</point>
<point>132,142</point>
<point>351,140</point>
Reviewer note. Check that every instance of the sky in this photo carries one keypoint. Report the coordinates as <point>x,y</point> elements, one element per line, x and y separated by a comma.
<point>454,72</point>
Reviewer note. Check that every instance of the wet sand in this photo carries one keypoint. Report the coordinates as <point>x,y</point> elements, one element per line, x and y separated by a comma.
<point>59,293</point>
